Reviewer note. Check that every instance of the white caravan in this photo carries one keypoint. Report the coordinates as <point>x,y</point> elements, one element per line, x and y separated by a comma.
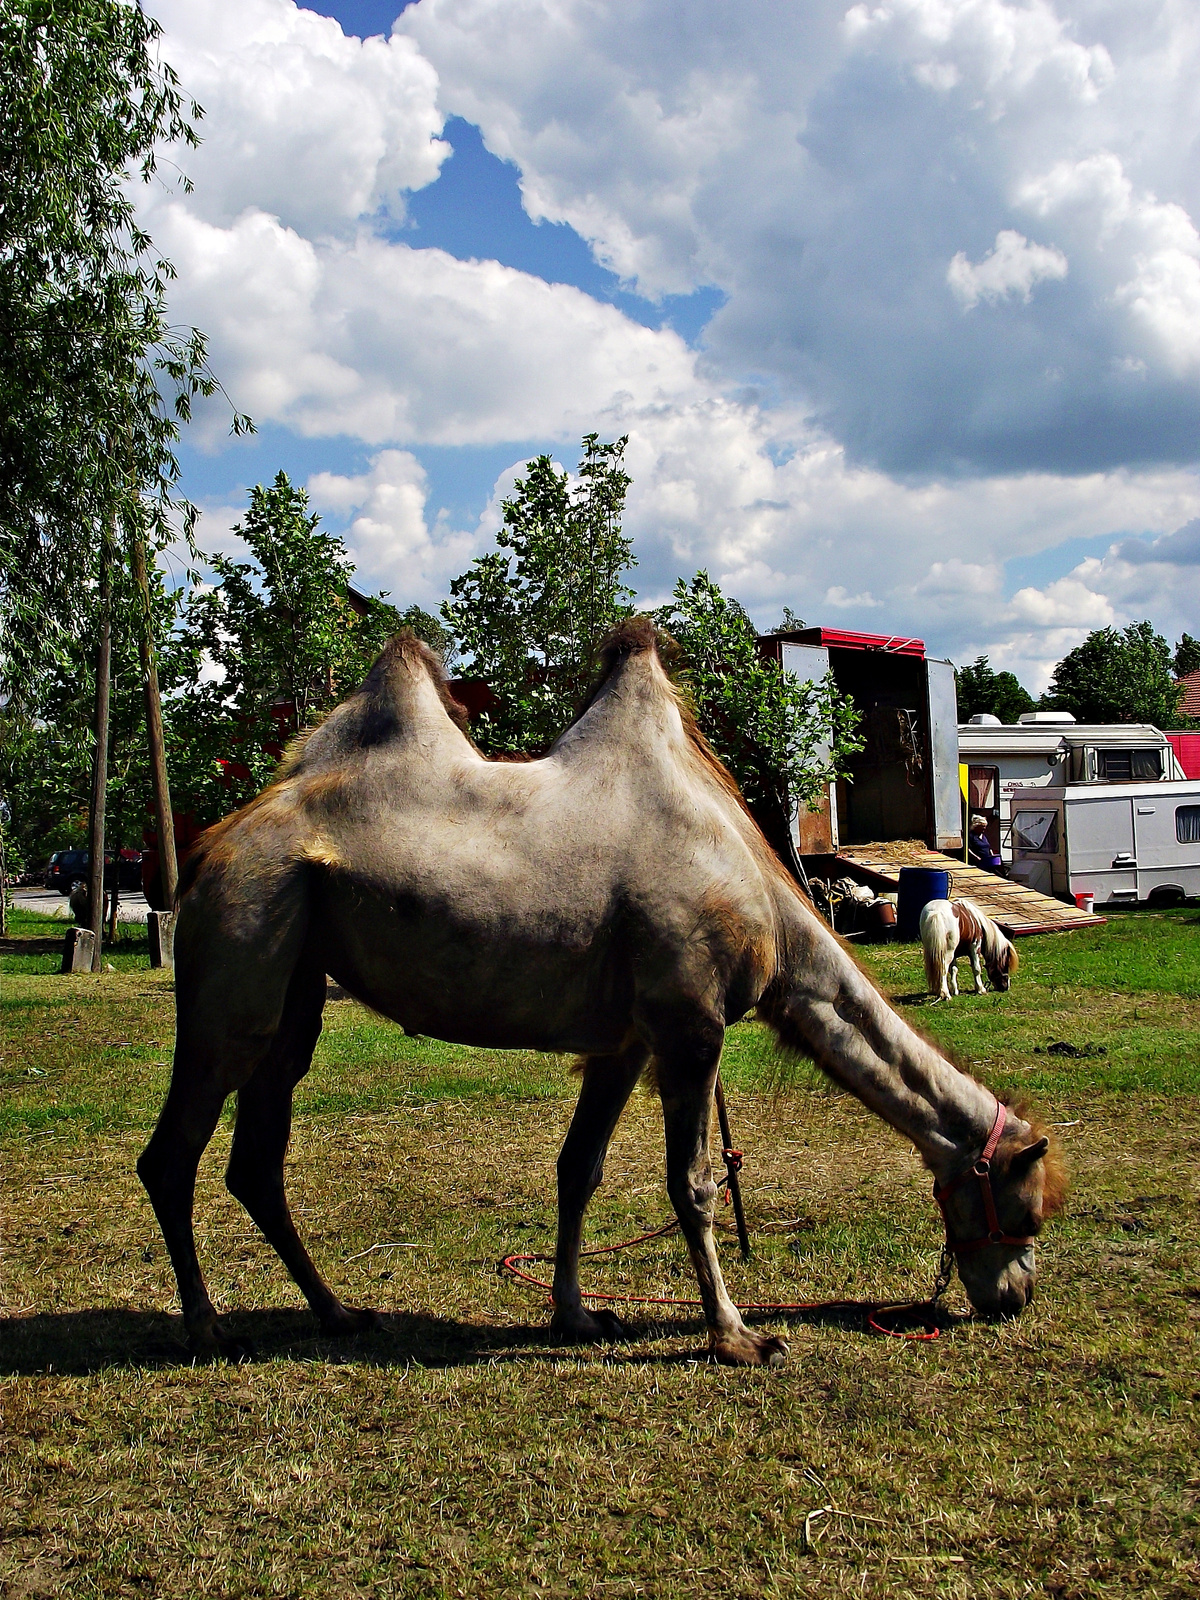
<point>1000,763</point>
<point>1122,842</point>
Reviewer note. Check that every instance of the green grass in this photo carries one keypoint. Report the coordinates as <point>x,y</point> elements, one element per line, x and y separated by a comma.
<point>459,1451</point>
<point>1130,988</point>
<point>129,953</point>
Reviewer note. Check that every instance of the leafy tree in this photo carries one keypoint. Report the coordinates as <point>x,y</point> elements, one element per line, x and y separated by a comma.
<point>1187,656</point>
<point>89,364</point>
<point>1117,677</point>
<point>789,622</point>
<point>531,613</point>
<point>433,631</point>
<point>783,740</point>
<point>981,690</point>
<point>86,350</point>
<point>46,742</point>
<point>276,644</point>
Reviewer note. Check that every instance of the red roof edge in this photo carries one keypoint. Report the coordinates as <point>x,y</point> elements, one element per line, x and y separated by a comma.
<point>895,644</point>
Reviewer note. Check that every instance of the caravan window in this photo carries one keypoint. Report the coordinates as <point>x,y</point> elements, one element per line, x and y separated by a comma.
<point>1036,832</point>
<point>1131,766</point>
<point>1187,824</point>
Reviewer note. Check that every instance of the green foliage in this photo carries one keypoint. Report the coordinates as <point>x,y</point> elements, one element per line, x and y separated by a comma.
<point>780,738</point>
<point>46,740</point>
<point>789,622</point>
<point>433,631</point>
<point>1117,677</point>
<point>86,440</point>
<point>980,690</point>
<point>531,613</point>
<point>1187,656</point>
<point>276,644</point>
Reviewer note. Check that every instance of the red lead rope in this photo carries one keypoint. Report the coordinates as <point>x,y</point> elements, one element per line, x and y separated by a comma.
<point>513,1265</point>
<point>980,1171</point>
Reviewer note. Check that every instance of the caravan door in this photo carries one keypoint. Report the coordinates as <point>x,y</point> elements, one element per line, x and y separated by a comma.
<point>1101,851</point>
<point>813,832</point>
<point>1166,831</point>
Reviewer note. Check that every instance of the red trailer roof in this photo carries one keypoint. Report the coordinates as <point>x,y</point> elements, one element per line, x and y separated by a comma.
<point>896,644</point>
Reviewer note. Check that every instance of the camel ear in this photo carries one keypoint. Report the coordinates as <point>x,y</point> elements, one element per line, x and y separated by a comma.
<point>1024,1159</point>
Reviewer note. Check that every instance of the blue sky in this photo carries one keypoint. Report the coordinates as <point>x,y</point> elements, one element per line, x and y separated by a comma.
<point>900,308</point>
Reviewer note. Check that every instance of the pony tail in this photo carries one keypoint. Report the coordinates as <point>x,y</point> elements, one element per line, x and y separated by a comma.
<point>933,967</point>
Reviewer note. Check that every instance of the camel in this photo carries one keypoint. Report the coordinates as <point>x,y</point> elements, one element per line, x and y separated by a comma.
<point>613,899</point>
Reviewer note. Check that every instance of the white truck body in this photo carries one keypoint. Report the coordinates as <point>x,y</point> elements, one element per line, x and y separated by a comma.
<point>1121,842</point>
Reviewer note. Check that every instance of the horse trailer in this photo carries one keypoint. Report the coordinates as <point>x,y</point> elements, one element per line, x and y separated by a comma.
<point>904,781</point>
<point>1122,842</point>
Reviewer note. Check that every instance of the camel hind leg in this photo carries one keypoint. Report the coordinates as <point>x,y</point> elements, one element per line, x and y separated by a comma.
<point>260,1140</point>
<point>167,1168</point>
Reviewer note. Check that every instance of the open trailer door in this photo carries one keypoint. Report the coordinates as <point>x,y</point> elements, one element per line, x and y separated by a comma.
<point>942,710</point>
<point>813,832</point>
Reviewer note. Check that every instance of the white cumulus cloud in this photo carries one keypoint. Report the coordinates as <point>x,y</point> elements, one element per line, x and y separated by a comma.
<point>1012,266</point>
<point>300,121</point>
<point>847,442</point>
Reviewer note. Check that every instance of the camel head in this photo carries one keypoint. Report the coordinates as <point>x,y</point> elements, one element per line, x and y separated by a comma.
<point>1027,1185</point>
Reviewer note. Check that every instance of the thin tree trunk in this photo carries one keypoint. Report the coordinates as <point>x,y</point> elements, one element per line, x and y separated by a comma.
<point>114,899</point>
<point>100,753</point>
<point>3,881</point>
<point>168,863</point>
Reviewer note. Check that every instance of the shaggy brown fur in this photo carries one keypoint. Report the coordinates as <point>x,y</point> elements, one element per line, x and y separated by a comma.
<point>612,899</point>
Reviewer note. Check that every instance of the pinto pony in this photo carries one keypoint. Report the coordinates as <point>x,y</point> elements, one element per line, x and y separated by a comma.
<point>613,899</point>
<point>954,928</point>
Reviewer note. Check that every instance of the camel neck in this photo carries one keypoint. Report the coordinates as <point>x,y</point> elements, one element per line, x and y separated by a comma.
<point>833,1010</point>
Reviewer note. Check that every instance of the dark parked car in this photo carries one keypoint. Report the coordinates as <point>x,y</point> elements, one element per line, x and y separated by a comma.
<point>69,867</point>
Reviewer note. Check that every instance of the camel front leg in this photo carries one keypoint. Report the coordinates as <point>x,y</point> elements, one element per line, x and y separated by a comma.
<point>608,1082</point>
<point>687,1097</point>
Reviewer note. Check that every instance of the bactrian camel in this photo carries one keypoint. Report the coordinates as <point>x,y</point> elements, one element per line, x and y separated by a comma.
<point>613,899</point>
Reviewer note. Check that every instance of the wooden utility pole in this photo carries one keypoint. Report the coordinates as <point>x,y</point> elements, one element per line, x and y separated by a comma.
<point>163,819</point>
<point>100,753</point>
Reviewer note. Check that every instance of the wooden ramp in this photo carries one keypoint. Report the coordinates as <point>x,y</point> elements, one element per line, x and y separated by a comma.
<point>1017,909</point>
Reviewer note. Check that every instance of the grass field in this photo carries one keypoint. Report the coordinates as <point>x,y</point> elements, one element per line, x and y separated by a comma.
<point>457,1451</point>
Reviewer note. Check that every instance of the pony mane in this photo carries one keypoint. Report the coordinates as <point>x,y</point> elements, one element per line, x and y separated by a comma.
<point>998,949</point>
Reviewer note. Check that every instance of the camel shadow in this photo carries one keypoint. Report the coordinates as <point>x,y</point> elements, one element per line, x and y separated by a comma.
<point>79,1343</point>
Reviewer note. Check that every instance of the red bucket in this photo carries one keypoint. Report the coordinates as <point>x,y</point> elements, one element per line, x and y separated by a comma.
<point>1085,900</point>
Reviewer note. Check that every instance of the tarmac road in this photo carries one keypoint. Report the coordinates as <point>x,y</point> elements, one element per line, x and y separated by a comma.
<point>131,907</point>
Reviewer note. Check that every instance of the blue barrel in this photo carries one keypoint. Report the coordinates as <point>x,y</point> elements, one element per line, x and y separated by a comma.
<point>918,886</point>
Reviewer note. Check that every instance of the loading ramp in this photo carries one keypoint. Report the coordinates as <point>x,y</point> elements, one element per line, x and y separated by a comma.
<point>1017,909</point>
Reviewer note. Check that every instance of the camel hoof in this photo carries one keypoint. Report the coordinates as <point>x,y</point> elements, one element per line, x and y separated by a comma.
<point>346,1321</point>
<point>214,1344</point>
<point>747,1349</point>
<point>587,1327</point>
